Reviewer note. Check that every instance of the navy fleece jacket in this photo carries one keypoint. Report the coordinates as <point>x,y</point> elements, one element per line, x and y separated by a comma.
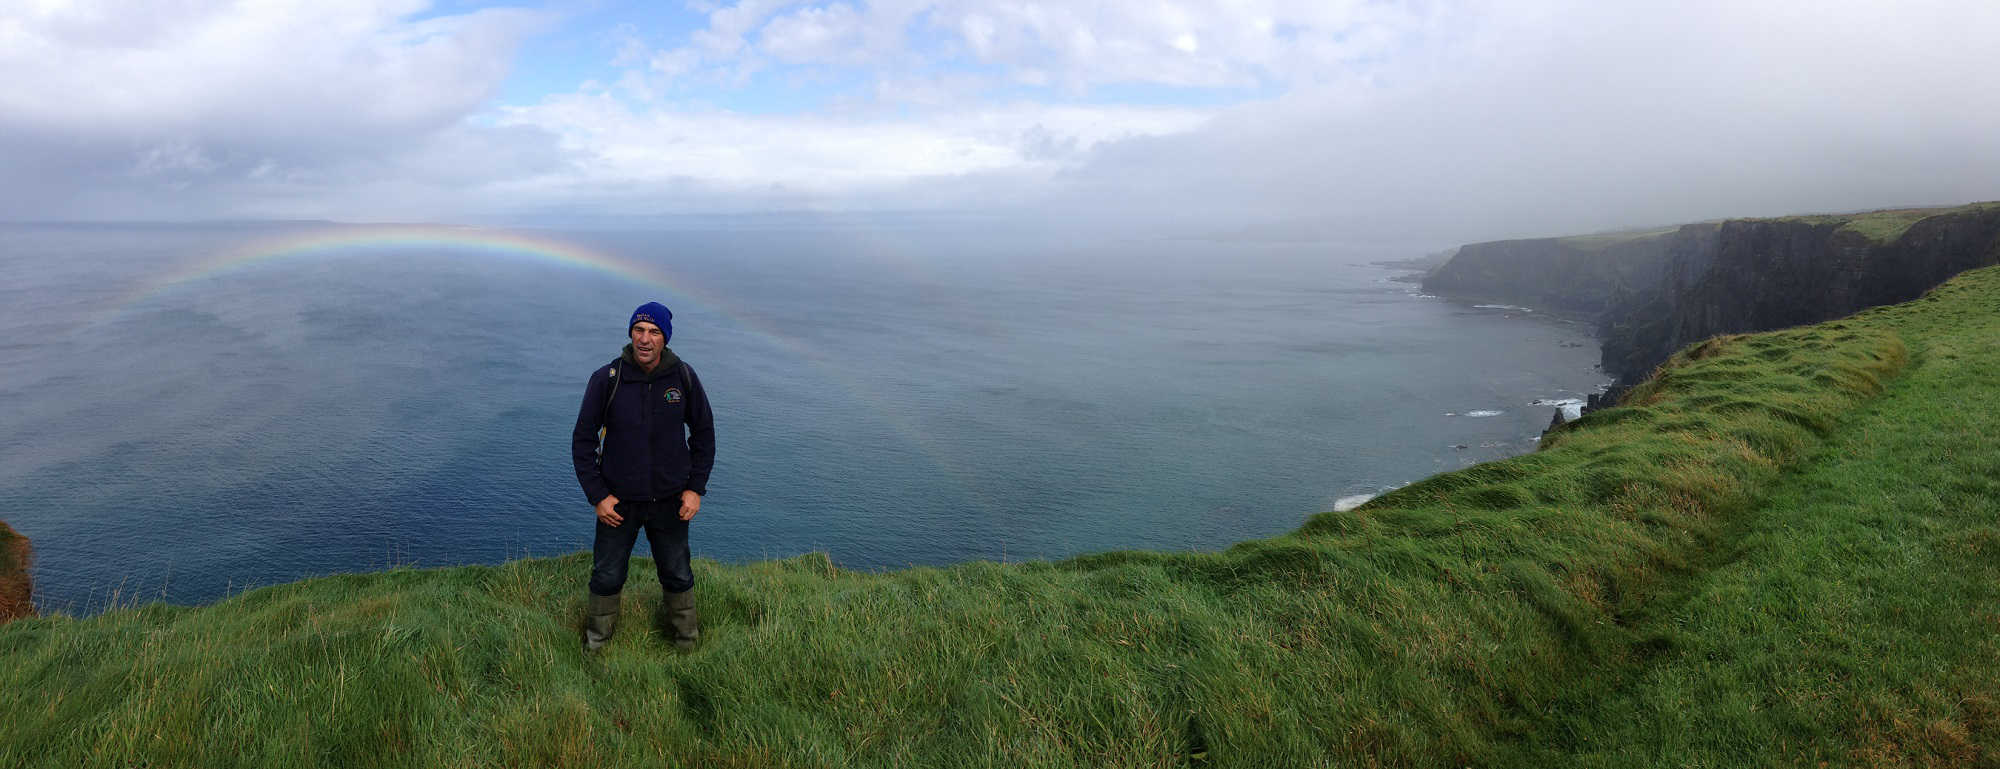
<point>659,435</point>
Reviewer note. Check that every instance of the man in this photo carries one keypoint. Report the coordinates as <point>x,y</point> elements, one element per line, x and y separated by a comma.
<point>657,436</point>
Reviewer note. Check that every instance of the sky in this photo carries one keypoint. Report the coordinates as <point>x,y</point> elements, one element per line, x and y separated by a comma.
<point>1444,120</point>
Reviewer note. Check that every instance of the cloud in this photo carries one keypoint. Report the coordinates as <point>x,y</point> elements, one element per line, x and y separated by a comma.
<point>825,158</point>
<point>1585,116</point>
<point>128,102</point>
<point>1463,120</point>
<point>1076,46</point>
<point>928,101</point>
<point>812,34</point>
<point>1452,119</point>
<point>1187,44</point>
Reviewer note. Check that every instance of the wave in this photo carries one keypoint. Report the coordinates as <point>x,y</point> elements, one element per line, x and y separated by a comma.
<point>1347,503</point>
<point>1571,407</point>
<point>1352,501</point>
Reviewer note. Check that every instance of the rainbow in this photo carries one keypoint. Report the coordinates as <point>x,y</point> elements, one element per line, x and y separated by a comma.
<point>430,239</point>
<point>333,239</point>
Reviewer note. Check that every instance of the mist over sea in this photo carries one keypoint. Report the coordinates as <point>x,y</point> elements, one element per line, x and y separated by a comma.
<point>890,395</point>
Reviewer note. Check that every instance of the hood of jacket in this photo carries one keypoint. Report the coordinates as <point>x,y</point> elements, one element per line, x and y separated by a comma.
<point>638,373</point>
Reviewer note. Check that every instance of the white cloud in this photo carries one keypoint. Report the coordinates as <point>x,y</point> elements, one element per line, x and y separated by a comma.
<point>729,27</point>
<point>106,98</point>
<point>1080,46</point>
<point>927,112</point>
<point>828,155</point>
<point>674,63</point>
<point>814,34</point>
<point>276,67</point>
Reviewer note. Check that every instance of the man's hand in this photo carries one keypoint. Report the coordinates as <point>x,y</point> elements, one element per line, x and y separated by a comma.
<point>607,511</point>
<point>690,504</point>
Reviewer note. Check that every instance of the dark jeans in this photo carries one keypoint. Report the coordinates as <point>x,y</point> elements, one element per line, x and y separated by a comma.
<point>665,530</point>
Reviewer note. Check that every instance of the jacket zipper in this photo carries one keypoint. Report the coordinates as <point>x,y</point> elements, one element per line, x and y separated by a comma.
<point>646,435</point>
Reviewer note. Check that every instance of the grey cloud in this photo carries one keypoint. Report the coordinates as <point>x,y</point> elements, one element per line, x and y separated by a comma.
<point>438,174</point>
<point>1039,143</point>
<point>1463,121</point>
<point>1624,121</point>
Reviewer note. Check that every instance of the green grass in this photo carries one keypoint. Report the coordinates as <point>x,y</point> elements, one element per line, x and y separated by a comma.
<point>1603,240</point>
<point>1854,619</point>
<point>1887,225</point>
<point>1784,550</point>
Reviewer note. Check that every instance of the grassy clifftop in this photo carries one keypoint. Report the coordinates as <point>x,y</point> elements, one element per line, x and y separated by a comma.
<point>1784,551</point>
<point>1886,225</point>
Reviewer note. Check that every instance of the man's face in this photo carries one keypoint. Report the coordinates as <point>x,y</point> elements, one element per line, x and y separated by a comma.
<point>646,343</point>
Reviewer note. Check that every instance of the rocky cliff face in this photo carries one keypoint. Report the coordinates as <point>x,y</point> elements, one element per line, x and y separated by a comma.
<point>1759,275</point>
<point>1575,274</point>
<point>1660,292</point>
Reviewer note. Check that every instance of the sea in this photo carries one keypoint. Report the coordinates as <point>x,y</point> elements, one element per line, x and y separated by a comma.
<point>191,411</point>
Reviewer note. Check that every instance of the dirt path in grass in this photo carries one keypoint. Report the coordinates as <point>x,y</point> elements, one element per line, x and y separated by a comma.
<point>1856,624</point>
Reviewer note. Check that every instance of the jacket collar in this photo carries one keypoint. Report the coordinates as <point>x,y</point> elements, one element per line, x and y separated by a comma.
<point>669,362</point>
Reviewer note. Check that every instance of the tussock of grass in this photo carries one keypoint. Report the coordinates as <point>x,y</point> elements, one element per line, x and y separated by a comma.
<point>1780,550</point>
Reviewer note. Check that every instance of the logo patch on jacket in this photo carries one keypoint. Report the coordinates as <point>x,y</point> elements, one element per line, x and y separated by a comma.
<point>673,395</point>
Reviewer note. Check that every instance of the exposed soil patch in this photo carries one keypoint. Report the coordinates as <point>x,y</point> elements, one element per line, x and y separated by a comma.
<point>16,592</point>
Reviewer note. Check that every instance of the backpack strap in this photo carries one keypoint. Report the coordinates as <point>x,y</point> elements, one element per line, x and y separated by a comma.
<point>687,385</point>
<point>604,414</point>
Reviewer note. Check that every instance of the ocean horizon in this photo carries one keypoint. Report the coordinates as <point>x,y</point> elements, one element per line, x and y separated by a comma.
<point>197,410</point>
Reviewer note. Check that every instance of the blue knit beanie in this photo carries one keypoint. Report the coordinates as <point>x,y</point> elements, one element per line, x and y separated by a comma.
<point>658,315</point>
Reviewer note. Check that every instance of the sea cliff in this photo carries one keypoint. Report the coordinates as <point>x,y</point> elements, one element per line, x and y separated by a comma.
<point>1586,274</point>
<point>1658,291</point>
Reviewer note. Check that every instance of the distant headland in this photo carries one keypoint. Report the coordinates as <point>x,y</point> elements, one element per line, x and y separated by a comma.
<point>1656,291</point>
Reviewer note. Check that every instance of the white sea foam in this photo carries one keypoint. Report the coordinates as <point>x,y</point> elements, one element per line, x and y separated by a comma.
<point>1516,308</point>
<point>1484,413</point>
<point>1352,501</point>
<point>1345,504</point>
<point>1571,407</point>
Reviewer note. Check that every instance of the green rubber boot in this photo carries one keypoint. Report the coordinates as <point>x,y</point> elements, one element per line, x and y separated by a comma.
<point>601,622</point>
<point>681,626</point>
